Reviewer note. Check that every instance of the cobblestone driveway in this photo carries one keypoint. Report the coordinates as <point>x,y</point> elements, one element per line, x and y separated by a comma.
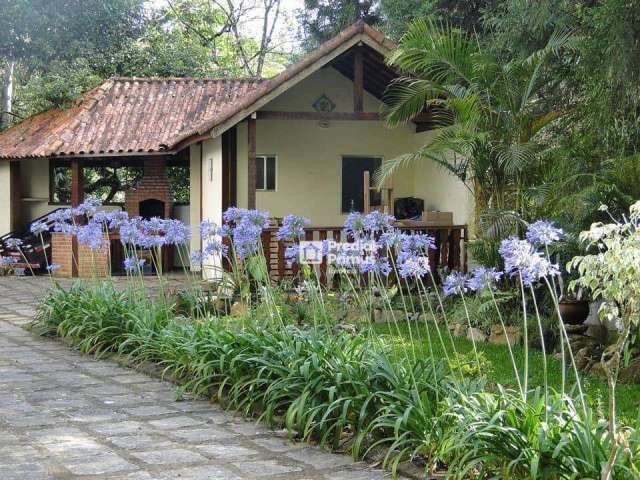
<point>68,416</point>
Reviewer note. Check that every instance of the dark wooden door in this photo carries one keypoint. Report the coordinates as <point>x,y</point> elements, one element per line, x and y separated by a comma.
<point>353,169</point>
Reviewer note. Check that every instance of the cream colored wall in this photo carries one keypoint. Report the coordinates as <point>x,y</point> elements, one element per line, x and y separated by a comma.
<point>211,181</point>
<point>440,189</point>
<point>195,188</point>
<point>34,189</point>
<point>309,165</point>
<point>5,197</point>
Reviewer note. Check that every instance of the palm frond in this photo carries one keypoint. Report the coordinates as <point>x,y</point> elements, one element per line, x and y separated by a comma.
<point>406,98</point>
<point>498,224</point>
<point>434,51</point>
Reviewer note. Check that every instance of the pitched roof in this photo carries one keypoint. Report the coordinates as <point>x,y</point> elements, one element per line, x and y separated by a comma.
<point>143,115</point>
<point>124,115</point>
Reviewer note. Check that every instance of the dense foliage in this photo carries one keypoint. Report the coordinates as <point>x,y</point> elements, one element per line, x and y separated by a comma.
<point>346,392</point>
<point>284,353</point>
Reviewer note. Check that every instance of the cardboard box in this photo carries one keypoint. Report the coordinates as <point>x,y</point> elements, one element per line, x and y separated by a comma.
<point>437,218</point>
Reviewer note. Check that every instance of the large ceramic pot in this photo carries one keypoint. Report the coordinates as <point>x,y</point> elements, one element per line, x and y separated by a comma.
<point>574,312</point>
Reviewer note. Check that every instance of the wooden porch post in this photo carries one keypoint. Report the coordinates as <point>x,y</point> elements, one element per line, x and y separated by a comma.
<point>77,197</point>
<point>358,81</point>
<point>15,193</point>
<point>251,167</point>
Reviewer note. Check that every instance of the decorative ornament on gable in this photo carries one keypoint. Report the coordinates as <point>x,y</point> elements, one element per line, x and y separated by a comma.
<point>324,105</point>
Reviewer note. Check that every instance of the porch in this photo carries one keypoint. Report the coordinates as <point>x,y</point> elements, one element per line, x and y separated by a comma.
<point>450,252</point>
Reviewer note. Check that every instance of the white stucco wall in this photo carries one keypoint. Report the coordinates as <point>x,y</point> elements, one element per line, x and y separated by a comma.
<point>195,188</point>
<point>211,181</point>
<point>5,197</point>
<point>309,165</point>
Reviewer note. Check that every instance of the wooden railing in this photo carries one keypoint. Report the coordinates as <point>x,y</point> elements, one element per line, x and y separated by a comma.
<point>450,248</point>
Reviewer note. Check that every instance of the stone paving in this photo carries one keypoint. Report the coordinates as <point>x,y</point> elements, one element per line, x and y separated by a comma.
<point>68,416</point>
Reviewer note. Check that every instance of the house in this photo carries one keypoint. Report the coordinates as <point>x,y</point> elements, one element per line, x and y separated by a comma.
<point>302,142</point>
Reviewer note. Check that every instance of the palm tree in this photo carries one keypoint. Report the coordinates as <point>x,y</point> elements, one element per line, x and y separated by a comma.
<point>486,113</point>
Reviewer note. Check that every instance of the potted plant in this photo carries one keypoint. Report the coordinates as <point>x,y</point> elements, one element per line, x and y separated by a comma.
<point>574,310</point>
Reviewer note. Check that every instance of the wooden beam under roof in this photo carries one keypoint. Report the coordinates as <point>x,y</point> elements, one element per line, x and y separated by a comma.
<point>318,116</point>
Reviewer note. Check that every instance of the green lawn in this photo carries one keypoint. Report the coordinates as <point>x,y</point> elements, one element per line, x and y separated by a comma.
<point>628,396</point>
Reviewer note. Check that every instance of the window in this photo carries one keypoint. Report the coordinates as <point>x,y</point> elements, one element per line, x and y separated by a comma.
<point>265,172</point>
<point>353,169</point>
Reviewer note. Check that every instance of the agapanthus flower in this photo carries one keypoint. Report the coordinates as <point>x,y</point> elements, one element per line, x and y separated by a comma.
<point>7,261</point>
<point>61,216</point>
<point>153,225</point>
<point>292,228</point>
<point>103,216</point>
<point>215,247</point>
<point>391,239</point>
<point>149,241</point>
<point>89,207</point>
<point>375,264</point>
<point>117,218</point>
<point>38,228</point>
<point>176,232</point>
<point>414,266</point>
<point>62,221</point>
<point>234,214</point>
<point>245,239</point>
<point>455,284</point>
<point>378,222</point>
<point>196,257</point>
<point>13,243</point>
<point>132,264</point>
<point>91,235</point>
<point>543,232</point>
<point>256,218</point>
<point>354,225</point>
<point>53,267</point>
<point>291,253</point>
<point>347,258</point>
<point>129,232</point>
<point>417,243</point>
<point>208,228</point>
<point>521,258</point>
<point>483,277</point>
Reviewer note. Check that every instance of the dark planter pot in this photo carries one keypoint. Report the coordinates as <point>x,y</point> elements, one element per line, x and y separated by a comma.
<point>574,312</point>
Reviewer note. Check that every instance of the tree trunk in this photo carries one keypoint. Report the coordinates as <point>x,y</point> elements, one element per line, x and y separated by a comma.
<point>7,94</point>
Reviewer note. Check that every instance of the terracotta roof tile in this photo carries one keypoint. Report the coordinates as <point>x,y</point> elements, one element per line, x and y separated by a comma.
<point>124,115</point>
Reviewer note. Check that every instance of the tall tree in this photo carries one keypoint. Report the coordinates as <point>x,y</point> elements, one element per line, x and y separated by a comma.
<point>223,26</point>
<point>489,112</point>
<point>36,35</point>
<point>322,19</point>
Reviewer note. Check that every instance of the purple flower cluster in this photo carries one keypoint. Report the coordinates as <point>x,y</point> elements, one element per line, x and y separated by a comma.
<point>38,228</point>
<point>377,222</point>
<point>483,277</point>
<point>292,228</point>
<point>455,284</point>
<point>521,258</point>
<point>544,233</point>
<point>414,266</point>
<point>13,243</point>
<point>354,225</point>
<point>376,265</point>
<point>132,264</point>
<point>7,261</point>
<point>138,232</point>
<point>245,228</point>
